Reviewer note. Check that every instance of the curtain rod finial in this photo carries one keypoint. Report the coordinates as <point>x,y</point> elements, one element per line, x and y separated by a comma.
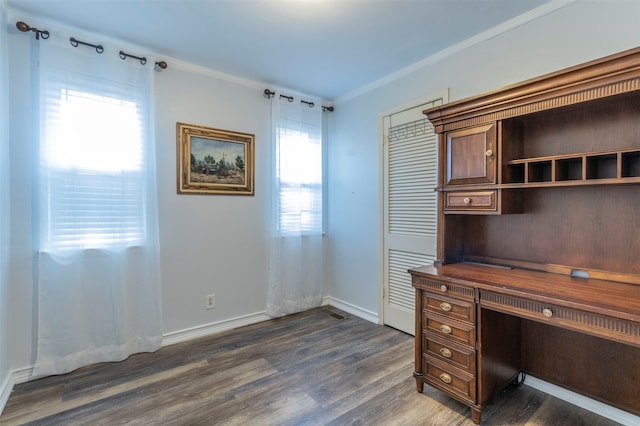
<point>160,65</point>
<point>22,26</point>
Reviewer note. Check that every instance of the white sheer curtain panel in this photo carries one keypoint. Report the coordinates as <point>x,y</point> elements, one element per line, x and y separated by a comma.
<point>98,259</point>
<point>296,279</point>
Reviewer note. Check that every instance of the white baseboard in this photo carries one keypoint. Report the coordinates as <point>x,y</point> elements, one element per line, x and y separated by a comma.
<point>592,405</point>
<point>5,390</point>
<point>14,377</point>
<point>213,328</point>
<point>22,375</point>
<point>353,309</point>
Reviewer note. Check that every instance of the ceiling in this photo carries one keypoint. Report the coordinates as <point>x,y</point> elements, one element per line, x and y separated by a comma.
<point>325,48</point>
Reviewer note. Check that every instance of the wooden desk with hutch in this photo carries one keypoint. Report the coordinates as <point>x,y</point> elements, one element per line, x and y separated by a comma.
<point>538,264</point>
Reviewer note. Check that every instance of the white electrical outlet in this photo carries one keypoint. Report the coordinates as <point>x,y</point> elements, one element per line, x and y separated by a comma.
<point>210,302</point>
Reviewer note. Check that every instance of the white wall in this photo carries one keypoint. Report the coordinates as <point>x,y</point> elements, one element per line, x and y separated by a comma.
<point>576,33</point>
<point>4,207</point>
<point>209,243</point>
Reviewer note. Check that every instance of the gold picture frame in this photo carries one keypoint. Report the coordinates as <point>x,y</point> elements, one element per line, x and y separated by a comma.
<point>214,161</point>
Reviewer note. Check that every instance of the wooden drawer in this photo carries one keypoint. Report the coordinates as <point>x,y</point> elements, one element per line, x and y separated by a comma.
<point>471,200</point>
<point>452,330</point>
<point>447,289</point>
<point>453,354</point>
<point>450,308</point>
<point>449,379</point>
<point>595,324</point>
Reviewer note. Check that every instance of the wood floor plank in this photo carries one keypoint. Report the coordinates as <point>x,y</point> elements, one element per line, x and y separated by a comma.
<point>357,398</point>
<point>341,380</point>
<point>389,407</point>
<point>22,401</point>
<point>555,411</point>
<point>38,409</point>
<point>174,400</point>
<point>319,367</point>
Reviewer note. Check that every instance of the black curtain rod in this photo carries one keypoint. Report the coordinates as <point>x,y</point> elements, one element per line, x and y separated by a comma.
<point>124,55</point>
<point>159,65</point>
<point>75,42</point>
<point>269,94</point>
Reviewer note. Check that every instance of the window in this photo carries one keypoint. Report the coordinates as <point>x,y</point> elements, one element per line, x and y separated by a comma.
<point>92,156</point>
<point>299,172</point>
<point>296,257</point>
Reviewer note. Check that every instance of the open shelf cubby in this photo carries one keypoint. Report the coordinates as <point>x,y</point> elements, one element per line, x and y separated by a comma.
<point>602,166</point>
<point>568,169</point>
<point>630,164</point>
<point>539,171</point>
<point>618,164</point>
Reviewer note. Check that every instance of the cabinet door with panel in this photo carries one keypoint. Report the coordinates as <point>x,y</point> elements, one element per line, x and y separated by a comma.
<point>470,155</point>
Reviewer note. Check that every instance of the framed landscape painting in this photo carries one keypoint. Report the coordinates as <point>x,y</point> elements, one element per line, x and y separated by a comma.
<point>214,161</point>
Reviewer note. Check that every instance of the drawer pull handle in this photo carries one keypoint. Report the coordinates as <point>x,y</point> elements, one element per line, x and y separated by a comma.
<point>547,312</point>
<point>443,288</point>
<point>445,352</point>
<point>445,329</point>
<point>445,378</point>
<point>445,306</point>
<point>467,200</point>
<point>489,153</point>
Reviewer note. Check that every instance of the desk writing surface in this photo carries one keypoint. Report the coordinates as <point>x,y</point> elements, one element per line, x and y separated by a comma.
<point>612,298</point>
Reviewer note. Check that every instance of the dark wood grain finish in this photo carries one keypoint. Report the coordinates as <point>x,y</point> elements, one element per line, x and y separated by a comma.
<point>593,366</point>
<point>459,356</point>
<point>450,287</point>
<point>445,376</point>
<point>614,329</point>
<point>508,345</point>
<point>470,155</point>
<point>581,227</point>
<point>456,331</point>
<point>485,201</point>
<point>610,76</point>
<point>499,353</point>
<point>460,310</point>
<point>445,343</point>
<point>563,203</point>
<point>618,300</point>
<point>571,131</point>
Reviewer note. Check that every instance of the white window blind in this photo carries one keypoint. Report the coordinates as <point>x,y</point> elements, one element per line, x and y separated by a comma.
<point>299,172</point>
<point>92,155</point>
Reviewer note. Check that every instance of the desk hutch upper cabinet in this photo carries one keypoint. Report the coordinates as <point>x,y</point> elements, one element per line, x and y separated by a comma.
<point>538,262</point>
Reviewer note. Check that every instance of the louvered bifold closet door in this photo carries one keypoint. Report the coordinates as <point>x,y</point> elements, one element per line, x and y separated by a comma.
<point>410,214</point>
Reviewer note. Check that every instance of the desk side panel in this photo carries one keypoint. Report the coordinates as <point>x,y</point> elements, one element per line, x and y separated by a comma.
<point>600,369</point>
<point>499,360</point>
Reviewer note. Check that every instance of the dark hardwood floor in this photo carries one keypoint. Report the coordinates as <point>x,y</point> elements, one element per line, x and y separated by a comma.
<point>318,367</point>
